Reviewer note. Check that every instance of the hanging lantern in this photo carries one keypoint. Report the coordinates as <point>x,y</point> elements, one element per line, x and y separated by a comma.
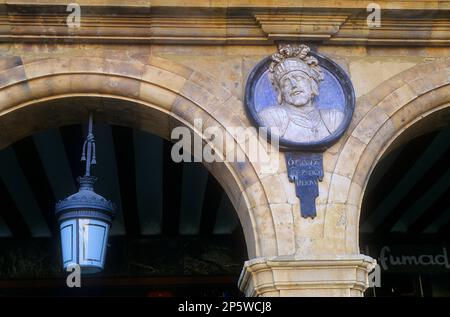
<point>85,218</point>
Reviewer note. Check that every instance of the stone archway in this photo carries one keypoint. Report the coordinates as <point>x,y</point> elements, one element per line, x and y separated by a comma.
<point>382,121</point>
<point>155,96</point>
<point>327,260</point>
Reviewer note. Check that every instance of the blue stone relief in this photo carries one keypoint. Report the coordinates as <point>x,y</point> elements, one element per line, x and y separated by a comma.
<point>306,101</point>
<point>330,95</point>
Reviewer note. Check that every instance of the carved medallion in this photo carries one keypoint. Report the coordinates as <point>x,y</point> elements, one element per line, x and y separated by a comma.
<point>306,101</point>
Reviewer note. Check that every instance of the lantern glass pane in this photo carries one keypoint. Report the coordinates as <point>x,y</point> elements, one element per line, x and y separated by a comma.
<point>93,237</point>
<point>68,242</point>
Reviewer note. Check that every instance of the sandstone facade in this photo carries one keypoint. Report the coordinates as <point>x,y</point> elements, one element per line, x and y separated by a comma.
<point>147,68</point>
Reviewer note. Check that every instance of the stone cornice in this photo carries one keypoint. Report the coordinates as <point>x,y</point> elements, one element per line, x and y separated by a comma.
<point>321,4</point>
<point>228,22</point>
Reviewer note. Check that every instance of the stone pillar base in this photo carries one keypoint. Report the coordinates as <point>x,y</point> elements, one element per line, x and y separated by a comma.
<point>319,276</point>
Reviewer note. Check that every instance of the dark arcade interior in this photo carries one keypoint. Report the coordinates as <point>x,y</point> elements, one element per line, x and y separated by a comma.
<point>405,218</point>
<point>177,233</point>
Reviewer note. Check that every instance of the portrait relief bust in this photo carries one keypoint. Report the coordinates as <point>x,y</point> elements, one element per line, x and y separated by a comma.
<point>296,76</point>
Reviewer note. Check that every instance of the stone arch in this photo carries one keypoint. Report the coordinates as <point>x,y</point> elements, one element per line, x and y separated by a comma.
<point>158,89</point>
<point>380,118</point>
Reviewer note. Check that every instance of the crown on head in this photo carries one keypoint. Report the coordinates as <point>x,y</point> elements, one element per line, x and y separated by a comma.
<point>294,57</point>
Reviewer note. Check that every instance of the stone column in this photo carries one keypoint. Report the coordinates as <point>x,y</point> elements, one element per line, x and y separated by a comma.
<point>319,276</point>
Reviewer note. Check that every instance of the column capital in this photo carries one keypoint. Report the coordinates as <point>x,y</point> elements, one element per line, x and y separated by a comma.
<point>337,275</point>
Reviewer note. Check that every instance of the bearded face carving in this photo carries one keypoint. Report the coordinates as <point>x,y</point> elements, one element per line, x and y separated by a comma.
<point>296,76</point>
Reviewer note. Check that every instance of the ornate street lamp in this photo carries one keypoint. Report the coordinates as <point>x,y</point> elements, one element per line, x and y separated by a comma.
<point>84,218</point>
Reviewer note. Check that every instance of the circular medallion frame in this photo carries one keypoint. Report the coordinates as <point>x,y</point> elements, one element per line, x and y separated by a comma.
<point>325,63</point>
